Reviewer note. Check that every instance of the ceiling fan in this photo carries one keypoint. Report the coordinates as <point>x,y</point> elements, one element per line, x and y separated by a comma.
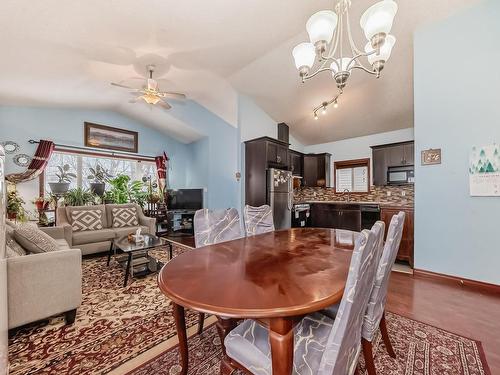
<point>150,92</point>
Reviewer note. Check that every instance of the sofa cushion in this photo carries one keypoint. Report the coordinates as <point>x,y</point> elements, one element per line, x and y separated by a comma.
<point>99,207</point>
<point>11,242</point>
<point>110,207</point>
<point>33,240</point>
<point>122,232</point>
<point>124,217</point>
<point>9,253</point>
<point>63,245</point>
<point>86,220</point>
<point>91,236</point>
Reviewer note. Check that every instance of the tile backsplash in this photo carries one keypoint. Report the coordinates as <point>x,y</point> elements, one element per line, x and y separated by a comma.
<point>385,195</point>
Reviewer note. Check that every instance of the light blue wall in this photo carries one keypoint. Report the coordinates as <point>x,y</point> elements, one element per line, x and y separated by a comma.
<point>65,126</point>
<point>222,158</point>
<point>456,107</point>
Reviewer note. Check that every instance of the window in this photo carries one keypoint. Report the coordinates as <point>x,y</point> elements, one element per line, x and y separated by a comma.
<point>80,164</point>
<point>352,175</point>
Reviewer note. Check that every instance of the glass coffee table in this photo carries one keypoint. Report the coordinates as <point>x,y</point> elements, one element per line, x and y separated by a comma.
<point>122,244</point>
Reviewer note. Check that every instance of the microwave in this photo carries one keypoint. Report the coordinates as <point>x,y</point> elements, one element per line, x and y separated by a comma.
<point>400,175</point>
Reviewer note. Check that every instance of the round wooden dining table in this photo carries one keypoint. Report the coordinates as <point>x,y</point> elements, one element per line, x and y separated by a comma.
<point>276,278</point>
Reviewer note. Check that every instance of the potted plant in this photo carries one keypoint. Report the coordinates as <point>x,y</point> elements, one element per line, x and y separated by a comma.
<point>65,177</point>
<point>14,205</point>
<point>79,197</point>
<point>100,176</point>
<point>41,203</point>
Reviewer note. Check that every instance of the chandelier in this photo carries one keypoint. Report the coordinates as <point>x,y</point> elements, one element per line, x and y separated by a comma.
<point>332,45</point>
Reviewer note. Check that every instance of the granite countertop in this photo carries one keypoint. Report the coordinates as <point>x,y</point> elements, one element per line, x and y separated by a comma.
<point>402,204</point>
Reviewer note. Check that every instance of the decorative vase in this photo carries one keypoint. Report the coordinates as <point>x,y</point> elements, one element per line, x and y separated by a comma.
<point>97,188</point>
<point>59,188</point>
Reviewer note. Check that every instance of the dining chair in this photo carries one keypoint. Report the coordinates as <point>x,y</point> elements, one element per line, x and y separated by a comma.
<point>211,227</point>
<point>375,312</point>
<point>258,220</point>
<point>215,226</point>
<point>321,346</point>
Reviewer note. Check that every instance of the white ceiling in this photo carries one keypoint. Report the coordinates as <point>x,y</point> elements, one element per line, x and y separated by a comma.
<point>65,53</point>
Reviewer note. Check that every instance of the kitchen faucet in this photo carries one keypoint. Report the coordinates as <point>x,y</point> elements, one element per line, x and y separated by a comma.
<point>348,194</point>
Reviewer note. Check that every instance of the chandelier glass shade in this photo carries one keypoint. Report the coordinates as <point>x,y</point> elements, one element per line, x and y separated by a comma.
<point>331,45</point>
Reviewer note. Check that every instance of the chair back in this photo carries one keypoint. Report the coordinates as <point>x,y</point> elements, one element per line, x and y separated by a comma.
<point>378,297</point>
<point>211,227</point>
<point>258,220</point>
<point>379,228</point>
<point>344,342</point>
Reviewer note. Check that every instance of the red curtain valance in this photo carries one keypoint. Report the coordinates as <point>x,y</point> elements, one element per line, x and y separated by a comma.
<point>37,164</point>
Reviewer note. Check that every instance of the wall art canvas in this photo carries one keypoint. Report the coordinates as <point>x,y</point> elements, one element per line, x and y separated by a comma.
<point>484,171</point>
<point>107,137</point>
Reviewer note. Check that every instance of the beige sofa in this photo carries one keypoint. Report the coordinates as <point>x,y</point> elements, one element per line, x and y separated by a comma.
<point>95,241</point>
<point>45,284</point>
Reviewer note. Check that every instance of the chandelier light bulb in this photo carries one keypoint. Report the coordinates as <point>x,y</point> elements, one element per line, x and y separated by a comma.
<point>335,104</point>
<point>315,116</point>
<point>304,55</point>
<point>378,19</point>
<point>384,52</point>
<point>321,26</point>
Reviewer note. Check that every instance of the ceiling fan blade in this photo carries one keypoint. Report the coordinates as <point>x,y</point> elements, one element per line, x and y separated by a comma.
<point>172,95</point>
<point>164,104</point>
<point>123,86</point>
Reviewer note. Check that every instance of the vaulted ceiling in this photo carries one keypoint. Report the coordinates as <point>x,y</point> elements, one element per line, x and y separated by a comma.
<point>65,53</point>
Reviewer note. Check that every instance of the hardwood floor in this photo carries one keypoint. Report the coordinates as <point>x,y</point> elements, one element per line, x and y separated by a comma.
<point>457,309</point>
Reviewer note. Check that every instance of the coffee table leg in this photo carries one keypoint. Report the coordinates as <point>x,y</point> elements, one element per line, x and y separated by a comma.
<point>170,251</point>
<point>281,340</point>
<point>110,252</point>
<point>127,271</point>
<point>180,324</point>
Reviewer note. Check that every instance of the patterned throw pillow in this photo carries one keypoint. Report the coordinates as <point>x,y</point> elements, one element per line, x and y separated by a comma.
<point>86,220</point>
<point>34,240</point>
<point>12,246</point>
<point>125,217</point>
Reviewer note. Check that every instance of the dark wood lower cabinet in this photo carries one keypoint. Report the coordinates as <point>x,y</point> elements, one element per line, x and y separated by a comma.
<point>331,216</point>
<point>406,247</point>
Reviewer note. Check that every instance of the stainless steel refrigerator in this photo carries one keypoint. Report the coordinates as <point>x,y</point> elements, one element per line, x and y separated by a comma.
<point>280,196</point>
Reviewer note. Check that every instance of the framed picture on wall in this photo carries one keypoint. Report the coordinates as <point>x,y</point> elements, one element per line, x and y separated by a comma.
<point>110,138</point>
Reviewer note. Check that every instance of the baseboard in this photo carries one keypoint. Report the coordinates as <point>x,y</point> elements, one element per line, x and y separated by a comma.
<point>455,280</point>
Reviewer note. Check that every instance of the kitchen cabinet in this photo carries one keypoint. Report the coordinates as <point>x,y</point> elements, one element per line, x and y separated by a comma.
<point>405,252</point>
<point>295,162</point>
<point>317,170</point>
<point>260,154</point>
<point>338,216</point>
<point>392,155</point>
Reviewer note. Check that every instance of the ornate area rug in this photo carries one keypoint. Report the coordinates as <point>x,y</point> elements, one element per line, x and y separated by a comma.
<point>113,325</point>
<point>421,349</point>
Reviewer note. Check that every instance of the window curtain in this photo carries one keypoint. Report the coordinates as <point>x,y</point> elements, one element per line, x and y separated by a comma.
<point>37,164</point>
<point>161,170</point>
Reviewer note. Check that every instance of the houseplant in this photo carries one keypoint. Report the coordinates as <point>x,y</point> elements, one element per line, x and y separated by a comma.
<point>41,203</point>
<point>79,197</point>
<point>99,176</point>
<point>125,191</point>
<point>15,203</point>
<point>64,176</point>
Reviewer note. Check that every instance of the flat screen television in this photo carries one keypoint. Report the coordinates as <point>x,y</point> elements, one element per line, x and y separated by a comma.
<point>185,199</point>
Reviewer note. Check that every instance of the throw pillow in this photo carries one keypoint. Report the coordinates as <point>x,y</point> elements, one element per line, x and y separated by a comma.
<point>34,240</point>
<point>11,242</point>
<point>86,220</point>
<point>10,253</point>
<point>125,217</point>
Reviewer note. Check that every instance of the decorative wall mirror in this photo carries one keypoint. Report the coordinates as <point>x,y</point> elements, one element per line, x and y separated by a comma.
<point>22,160</point>
<point>10,147</point>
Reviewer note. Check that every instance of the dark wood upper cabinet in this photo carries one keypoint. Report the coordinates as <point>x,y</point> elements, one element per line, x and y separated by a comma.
<point>317,170</point>
<point>260,154</point>
<point>391,155</point>
<point>296,163</point>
